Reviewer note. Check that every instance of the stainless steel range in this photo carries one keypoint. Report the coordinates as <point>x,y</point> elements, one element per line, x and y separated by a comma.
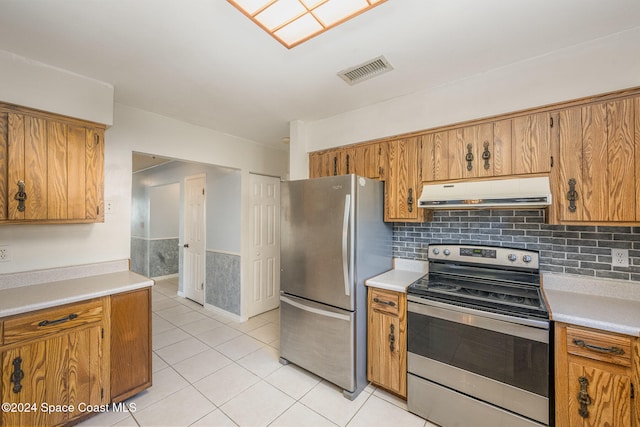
<point>479,339</point>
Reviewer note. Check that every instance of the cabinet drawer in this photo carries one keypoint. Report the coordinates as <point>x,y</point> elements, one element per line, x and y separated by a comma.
<point>385,301</point>
<point>597,345</point>
<point>48,321</point>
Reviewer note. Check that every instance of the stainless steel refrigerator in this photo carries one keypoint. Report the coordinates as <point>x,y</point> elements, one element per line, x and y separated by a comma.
<point>332,239</point>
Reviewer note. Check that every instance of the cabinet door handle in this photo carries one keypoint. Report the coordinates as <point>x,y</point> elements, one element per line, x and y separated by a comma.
<point>572,195</point>
<point>61,320</point>
<point>392,337</point>
<point>583,397</point>
<point>410,200</point>
<point>379,301</point>
<point>335,166</point>
<point>611,350</point>
<point>486,155</point>
<point>469,157</point>
<point>21,196</point>
<point>17,375</point>
<point>347,164</point>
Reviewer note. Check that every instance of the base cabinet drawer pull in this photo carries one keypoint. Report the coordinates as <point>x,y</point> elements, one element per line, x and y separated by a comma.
<point>61,320</point>
<point>583,397</point>
<point>610,350</point>
<point>379,301</point>
<point>17,375</point>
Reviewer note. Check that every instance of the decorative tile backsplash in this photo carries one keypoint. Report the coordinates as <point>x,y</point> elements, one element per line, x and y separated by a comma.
<point>572,249</point>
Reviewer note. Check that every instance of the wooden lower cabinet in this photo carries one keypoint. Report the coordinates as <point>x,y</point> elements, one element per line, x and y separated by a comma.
<point>53,364</point>
<point>596,377</point>
<point>130,343</point>
<point>387,340</point>
<point>58,363</point>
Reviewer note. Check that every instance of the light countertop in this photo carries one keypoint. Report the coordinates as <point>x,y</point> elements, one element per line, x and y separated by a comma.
<point>404,273</point>
<point>606,304</point>
<point>29,298</point>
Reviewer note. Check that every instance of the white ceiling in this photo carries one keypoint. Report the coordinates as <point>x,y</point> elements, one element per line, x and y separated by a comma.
<point>203,62</point>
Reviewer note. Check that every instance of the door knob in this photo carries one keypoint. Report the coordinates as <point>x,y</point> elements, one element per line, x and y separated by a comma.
<point>186,245</point>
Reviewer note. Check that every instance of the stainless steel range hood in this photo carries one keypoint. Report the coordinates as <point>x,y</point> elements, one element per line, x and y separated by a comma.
<point>505,193</point>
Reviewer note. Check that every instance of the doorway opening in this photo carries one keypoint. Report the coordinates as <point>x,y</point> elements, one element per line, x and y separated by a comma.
<point>155,176</point>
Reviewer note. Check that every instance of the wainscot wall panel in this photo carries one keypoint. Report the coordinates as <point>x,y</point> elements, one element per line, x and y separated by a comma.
<point>582,250</point>
<point>223,281</point>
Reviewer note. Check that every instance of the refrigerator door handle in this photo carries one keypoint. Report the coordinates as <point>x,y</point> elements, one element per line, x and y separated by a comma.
<point>315,310</point>
<point>345,241</point>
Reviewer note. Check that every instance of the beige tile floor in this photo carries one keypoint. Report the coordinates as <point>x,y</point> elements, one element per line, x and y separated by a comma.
<point>211,371</point>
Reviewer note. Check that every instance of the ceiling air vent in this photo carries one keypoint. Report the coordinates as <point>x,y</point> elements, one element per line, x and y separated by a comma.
<point>366,70</point>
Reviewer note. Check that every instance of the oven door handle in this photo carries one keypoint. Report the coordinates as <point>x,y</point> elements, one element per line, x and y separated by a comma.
<point>536,330</point>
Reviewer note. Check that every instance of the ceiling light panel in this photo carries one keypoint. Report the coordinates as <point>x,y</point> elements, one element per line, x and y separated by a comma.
<point>280,13</point>
<point>334,11</point>
<point>299,30</point>
<point>251,6</point>
<point>292,22</point>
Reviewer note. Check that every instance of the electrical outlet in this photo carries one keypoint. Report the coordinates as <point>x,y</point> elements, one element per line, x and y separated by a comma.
<point>5,253</point>
<point>619,257</point>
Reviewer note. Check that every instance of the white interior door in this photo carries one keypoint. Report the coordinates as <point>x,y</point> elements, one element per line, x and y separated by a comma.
<point>194,238</point>
<point>265,251</point>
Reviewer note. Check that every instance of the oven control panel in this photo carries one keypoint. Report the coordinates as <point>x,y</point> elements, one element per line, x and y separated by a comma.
<point>486,255</point>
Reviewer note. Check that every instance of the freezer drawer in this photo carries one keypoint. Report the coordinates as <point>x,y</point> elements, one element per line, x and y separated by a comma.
<point>320,339</point>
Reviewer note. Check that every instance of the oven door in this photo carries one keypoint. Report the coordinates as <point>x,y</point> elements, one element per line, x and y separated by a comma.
<point>494,358</point>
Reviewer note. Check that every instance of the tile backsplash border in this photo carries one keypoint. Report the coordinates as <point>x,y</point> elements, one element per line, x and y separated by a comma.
<point>571,249</point>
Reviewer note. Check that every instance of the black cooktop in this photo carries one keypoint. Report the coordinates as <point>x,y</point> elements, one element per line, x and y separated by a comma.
<point>490,288</point>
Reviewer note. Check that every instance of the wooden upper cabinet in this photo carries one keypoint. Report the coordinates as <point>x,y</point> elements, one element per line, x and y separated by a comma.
<point>366,160</point>
<point>479,151</point>
<point>55,166</point>
<point>434,161</point>
<point>502,154</point>
<point>27,160</point>
<point>363,159</point>
<point>636,110</point>
<point>470,152</point>
<point>598,166</point>
<point>318,165</point>
<point>530,144</point>
<point>402,184</point>
<point>327,163</point>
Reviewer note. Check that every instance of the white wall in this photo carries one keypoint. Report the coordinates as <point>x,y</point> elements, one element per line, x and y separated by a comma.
<point>607,64</point>
<point>164,208</point>
<point>36,85</point>
<point>224,211</point>
<point>223,202</point>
